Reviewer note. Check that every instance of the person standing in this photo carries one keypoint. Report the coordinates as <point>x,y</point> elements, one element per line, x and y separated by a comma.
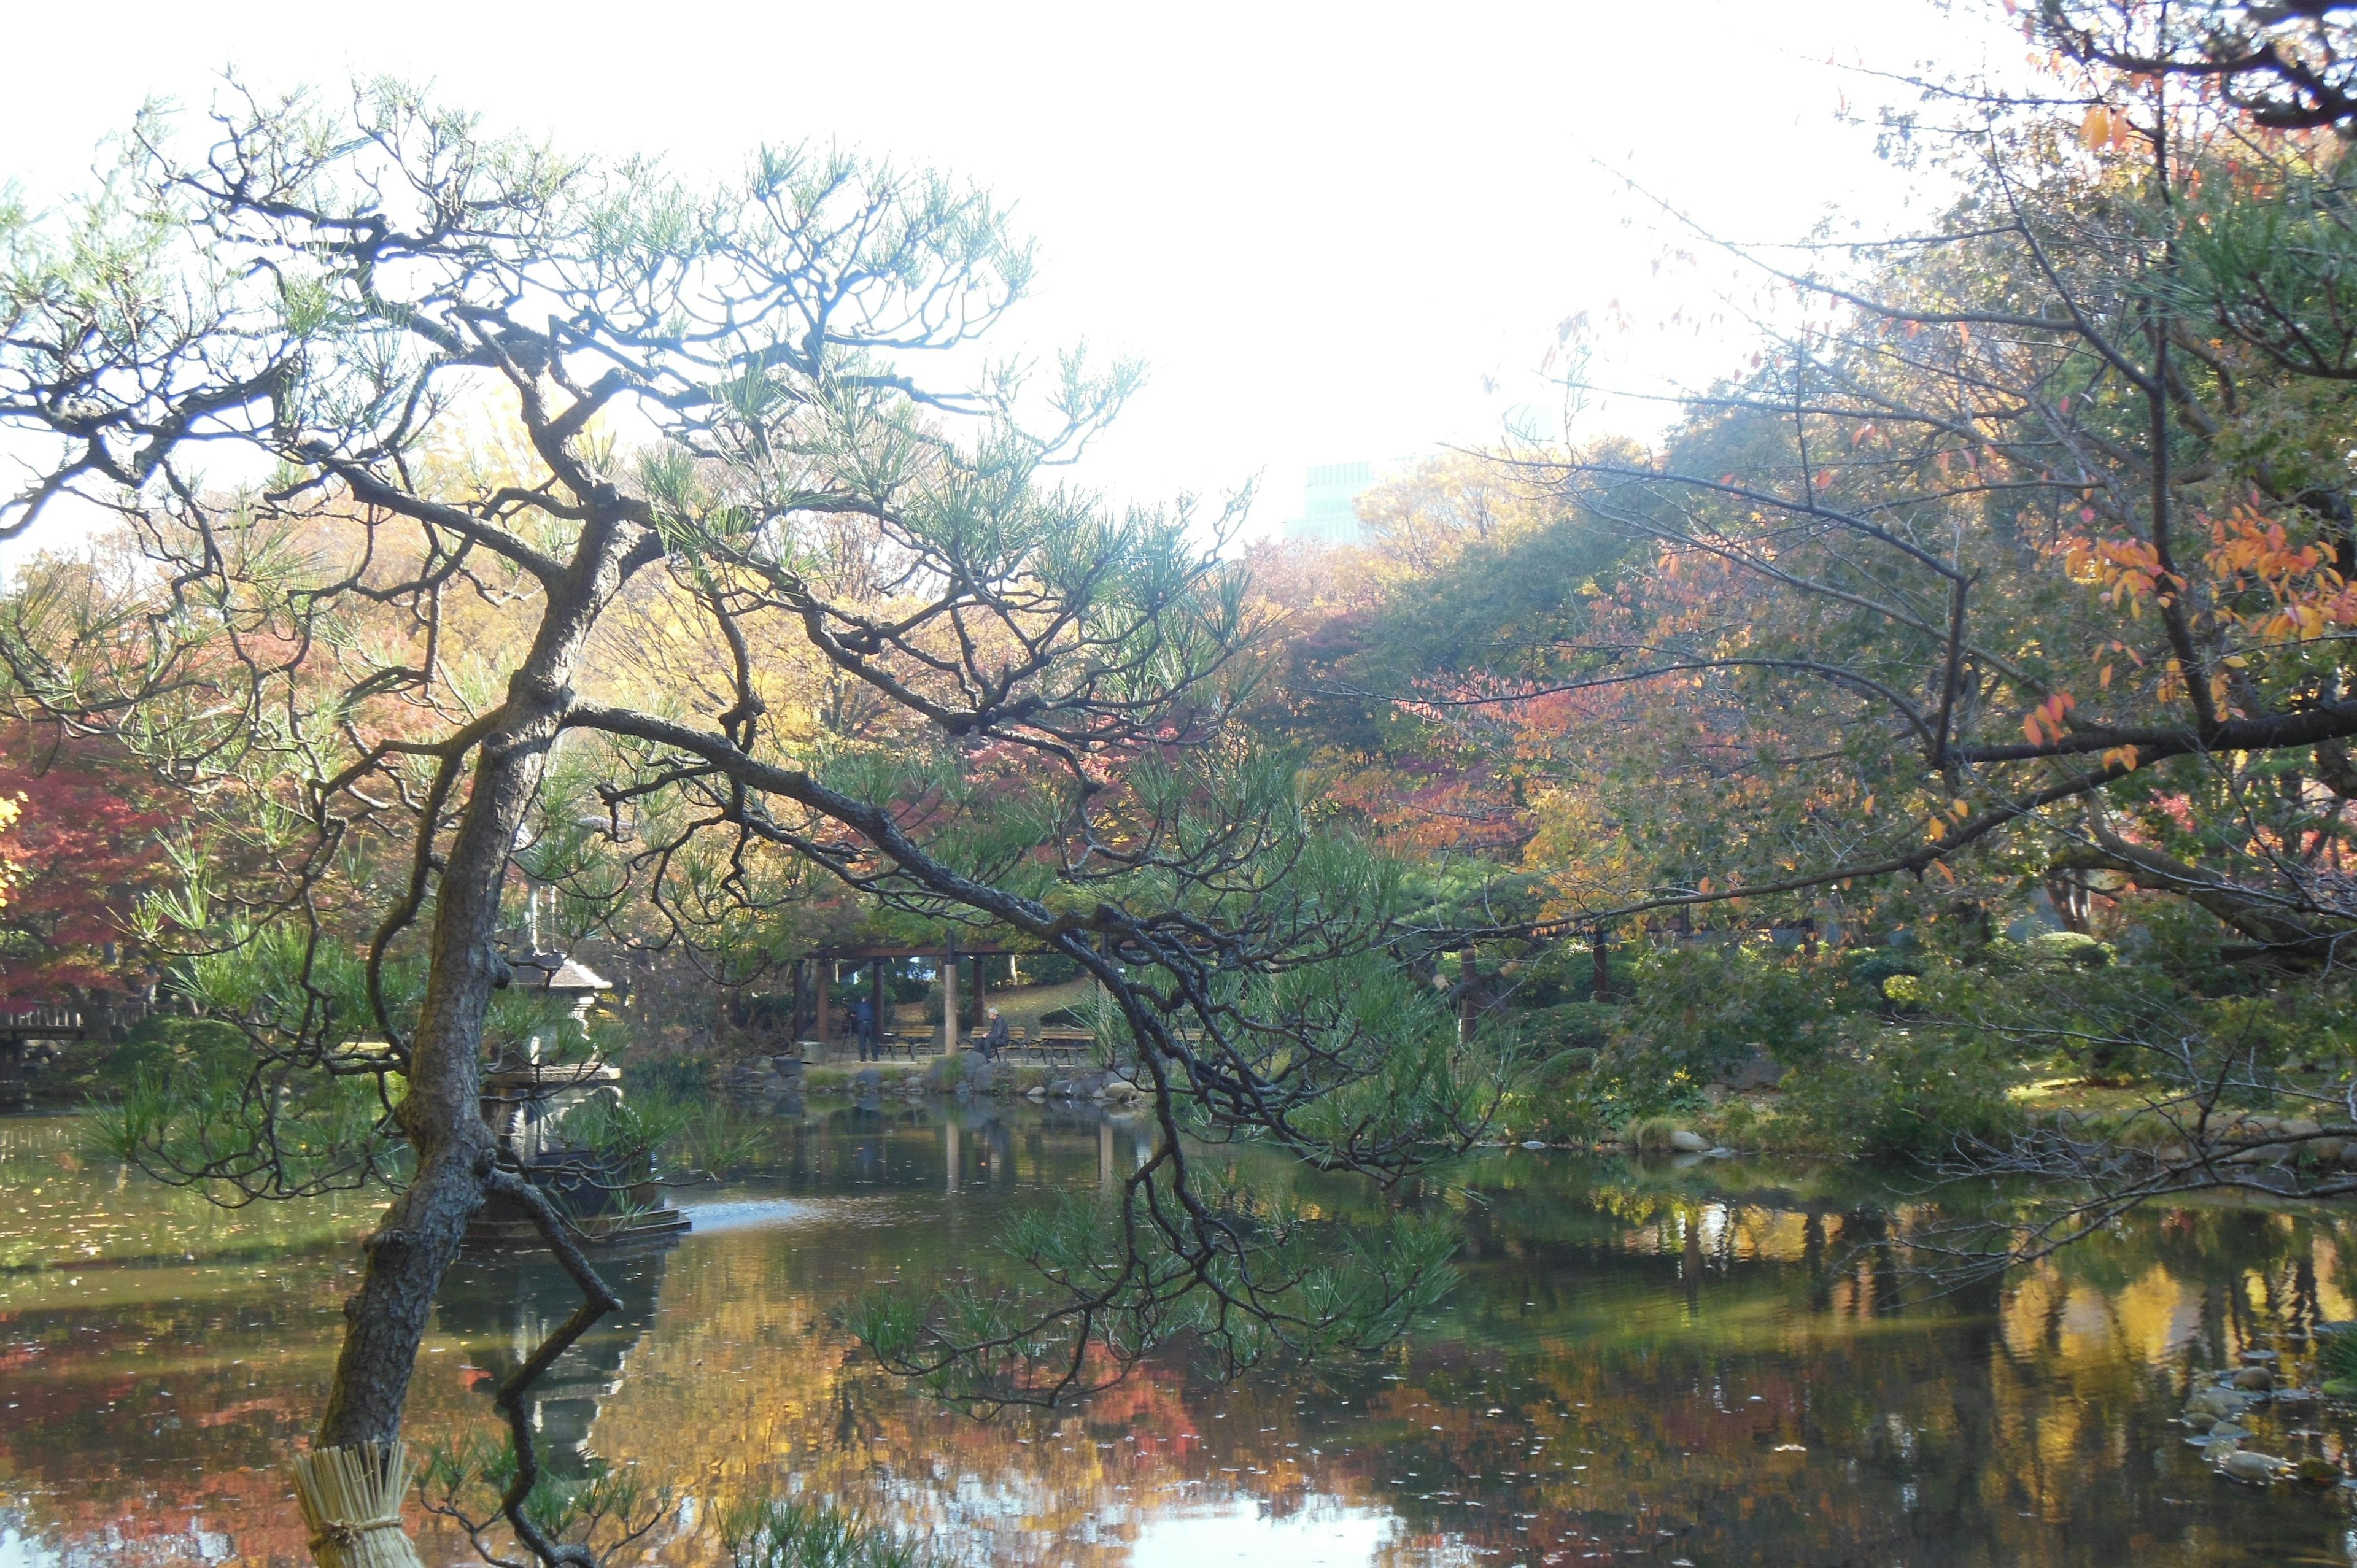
<point>863,1024</point>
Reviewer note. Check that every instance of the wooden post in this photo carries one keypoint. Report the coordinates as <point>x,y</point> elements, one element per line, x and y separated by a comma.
<point>1104,1156</point>
<point>955,1155</point>
<point>951,1036</point>
<point>878,1004</point>
<point>1600,979</point>
<point>977,1014</point>
<point>825,1014</point>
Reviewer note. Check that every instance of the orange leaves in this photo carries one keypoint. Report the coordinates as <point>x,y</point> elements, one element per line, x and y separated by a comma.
<point>2310,597</point>
<point>2123,758</point>
<point>2046,721</point>
<point>2125,569</point>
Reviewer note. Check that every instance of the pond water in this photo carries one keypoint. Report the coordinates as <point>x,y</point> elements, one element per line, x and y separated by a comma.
<point>1708,1364</point>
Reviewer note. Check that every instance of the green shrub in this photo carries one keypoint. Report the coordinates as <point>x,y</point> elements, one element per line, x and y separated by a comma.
<point>1564,1026</point>
<point>163,1044</point>
<point>1901,1093</point>
<point>681,1077</point>
<point>1701,1007</point>
<point>1047,968</point>
<point>2074,948</point>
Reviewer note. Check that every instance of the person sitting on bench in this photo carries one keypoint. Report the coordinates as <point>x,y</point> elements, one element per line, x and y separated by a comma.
<point>995,1039</point>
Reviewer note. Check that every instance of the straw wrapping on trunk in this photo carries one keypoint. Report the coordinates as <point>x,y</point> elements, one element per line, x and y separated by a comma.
<point>351,1500</point>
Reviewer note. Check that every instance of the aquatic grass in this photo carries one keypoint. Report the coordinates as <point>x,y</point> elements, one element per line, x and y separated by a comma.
<point>2336,1358</point>
<point>1651,1134</point>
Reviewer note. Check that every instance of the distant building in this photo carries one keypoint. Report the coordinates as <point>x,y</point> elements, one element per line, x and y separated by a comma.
<point>1329,514</point>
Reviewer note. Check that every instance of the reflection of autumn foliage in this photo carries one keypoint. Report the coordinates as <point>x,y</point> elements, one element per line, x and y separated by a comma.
<point>1634,1366</point>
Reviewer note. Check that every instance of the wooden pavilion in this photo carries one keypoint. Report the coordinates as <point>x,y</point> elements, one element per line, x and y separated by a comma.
<point>22,1026</point>
<point>963,1007</point>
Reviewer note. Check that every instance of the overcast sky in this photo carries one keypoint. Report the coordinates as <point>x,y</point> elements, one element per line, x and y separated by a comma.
<point>1334,233</point>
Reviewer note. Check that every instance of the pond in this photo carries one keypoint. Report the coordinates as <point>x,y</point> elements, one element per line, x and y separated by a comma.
<point>1707,1365</point>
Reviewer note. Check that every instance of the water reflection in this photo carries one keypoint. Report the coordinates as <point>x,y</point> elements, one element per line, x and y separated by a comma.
<point>1710,1365</point>
<point>495,1310</point>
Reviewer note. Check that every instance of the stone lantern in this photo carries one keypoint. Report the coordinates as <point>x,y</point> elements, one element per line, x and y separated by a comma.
<point>525,1101</point>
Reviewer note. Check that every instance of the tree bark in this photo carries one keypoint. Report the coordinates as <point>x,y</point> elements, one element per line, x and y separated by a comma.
<point>418,1239</point>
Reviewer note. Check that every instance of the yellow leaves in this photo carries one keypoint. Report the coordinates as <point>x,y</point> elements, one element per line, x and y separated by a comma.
<point>1867,808</point>
<point>2104,127</point>
<point>1937,831</point>
<point>2123,758</point>
<point>2103,678</point>
<point>1959,808</point>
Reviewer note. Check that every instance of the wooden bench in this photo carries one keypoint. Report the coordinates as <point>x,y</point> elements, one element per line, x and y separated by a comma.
<point>1059,1043</point>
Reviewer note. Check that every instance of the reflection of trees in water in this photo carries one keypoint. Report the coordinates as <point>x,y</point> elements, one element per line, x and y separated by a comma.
<point>1607,1310</point>
<point>500,1309</point>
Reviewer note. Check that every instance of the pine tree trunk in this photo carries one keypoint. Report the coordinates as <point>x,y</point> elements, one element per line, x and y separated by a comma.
<point>418,1240</point>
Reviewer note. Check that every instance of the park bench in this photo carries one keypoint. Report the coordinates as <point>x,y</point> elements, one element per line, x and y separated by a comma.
<point>1057,1044</point>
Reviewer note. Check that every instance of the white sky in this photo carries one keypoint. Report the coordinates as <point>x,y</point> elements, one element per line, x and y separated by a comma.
<point>1322,226</point>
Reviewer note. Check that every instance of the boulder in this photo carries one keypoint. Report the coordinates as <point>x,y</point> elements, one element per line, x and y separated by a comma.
<point>2298,1128</point>
<point>2261,1357</point>
<point>2257,1468</point>
<point>2255,1380</point>
<point>1687,1143</point>
<point>1758,1070</point>
<point>974,1075</point>
<point>2216,1453</point>
<point>1038,1091</point>
<point>2219,1404</point>
<point>868,1082</point>
<point>2317,1472</point>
